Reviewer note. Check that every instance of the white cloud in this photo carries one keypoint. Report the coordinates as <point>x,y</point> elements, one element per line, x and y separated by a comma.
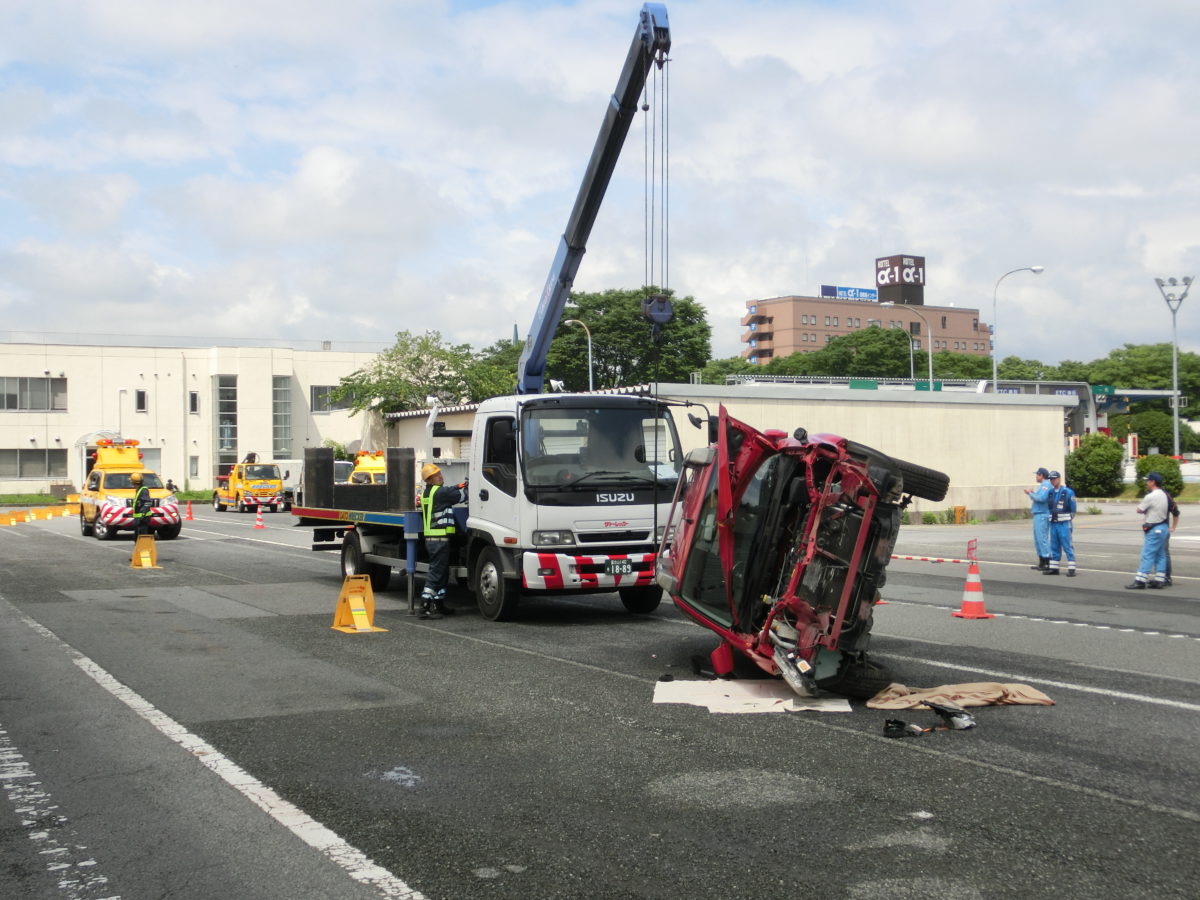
<point>348,170</point>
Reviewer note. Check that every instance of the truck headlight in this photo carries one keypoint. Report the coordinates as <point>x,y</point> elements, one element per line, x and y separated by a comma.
<point>548,538</point>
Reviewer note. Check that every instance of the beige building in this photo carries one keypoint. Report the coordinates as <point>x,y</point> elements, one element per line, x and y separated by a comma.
<point>781,326</point>
<point>989,444</point>
<point>194,411</point>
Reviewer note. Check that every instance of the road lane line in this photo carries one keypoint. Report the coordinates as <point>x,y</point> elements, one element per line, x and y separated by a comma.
<point>350,859</point>
<point>1065,685</point>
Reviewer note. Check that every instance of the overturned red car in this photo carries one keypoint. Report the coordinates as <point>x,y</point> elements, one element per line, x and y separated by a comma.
<point>780,545</point>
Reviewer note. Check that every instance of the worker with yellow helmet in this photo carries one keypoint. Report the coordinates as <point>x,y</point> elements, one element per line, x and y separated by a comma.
<point>437,520</point>
<point>142,504</point>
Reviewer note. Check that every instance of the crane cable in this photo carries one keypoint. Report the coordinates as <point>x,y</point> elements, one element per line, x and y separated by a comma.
<point>655,164</point>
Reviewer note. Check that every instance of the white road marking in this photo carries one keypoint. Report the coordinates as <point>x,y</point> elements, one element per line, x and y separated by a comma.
<point>68,863</point>
<point>352,860</point>
<point>1065,685</point>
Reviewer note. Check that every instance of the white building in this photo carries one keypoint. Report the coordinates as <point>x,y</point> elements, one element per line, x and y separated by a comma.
<point>193,410</point>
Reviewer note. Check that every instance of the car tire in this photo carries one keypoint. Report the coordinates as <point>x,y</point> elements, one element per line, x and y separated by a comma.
<point>102,531</point>
<point>170,532</point>
<point>641,599</point>
<point>860,680</point>
<point>354,564</point>
<point>217,504</point>
<point>928,484</point>
<point>85,527</point>
<point>497,596</point>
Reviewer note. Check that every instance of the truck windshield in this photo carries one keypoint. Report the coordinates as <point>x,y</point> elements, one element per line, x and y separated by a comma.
<point>262,473</point>
<point>119,481</point>
<point>600,444</point>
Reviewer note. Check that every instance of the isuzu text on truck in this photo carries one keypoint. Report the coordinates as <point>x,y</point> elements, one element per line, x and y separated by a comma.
<point>568,492</point>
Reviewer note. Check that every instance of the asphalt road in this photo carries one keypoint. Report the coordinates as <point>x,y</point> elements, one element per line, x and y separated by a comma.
<point>199,731</point>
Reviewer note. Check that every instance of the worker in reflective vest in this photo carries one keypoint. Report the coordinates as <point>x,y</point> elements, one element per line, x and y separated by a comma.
<point>437,521</point>
<point>1062,514</point>
<point>143,504</point>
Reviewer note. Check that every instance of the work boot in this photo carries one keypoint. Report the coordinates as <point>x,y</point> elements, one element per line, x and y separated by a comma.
<point>442,608</point>
<point>428,608</point>
<point>1136,586</point>
<point>1043,563</point>
<point>1156,585</point>
<point>1070,573</point>
<point>1049,571</point>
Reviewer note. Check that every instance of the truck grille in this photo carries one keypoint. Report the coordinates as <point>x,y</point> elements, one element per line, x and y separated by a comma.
<point>604,537</point>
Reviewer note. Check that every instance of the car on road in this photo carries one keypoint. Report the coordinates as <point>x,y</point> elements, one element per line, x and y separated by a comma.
<point>780,544</point>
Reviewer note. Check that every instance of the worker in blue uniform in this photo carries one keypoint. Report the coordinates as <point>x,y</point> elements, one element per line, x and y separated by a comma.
<point>1062,515</point>
<point>1039,495</point>
<point>438,527</point>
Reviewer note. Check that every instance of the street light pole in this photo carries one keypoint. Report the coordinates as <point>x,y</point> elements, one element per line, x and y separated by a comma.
<point>1167,289</point>
<point>1036,270</point>
<point>587,332</point>
<point>928,331</point>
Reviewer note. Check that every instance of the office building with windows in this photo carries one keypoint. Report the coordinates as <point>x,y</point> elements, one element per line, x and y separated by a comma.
<point>781,326</point>
<point>194,411</point>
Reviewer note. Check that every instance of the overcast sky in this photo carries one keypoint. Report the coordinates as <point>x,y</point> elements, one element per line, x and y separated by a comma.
<point>344,169</point>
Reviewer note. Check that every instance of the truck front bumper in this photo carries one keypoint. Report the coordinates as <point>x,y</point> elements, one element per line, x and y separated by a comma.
<point>561,571</point>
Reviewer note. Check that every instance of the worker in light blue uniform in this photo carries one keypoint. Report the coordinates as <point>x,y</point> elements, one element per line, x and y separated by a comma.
<point>1155,510</point>
<point>1039,496</point>
<point>1062,515</point>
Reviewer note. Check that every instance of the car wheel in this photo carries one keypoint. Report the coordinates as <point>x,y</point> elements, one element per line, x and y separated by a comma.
<point>170,532</point>
<point>217,504</point>
<point>860,680</point>
<point>641,599</point>
<point>241,505</point>
<point>928,484</point>
<point>102,531</point>
<point>84,527</point>
<point>354,564</point>
<point>497,597</point>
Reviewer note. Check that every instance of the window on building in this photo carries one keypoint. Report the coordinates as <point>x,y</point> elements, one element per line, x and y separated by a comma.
<point>141,401</point>
<point>322,401</point>
<point>37,394</point>
<point>835,320</point>
<point>281,416</point>
<point>828,338</point>
<point>227,421</point>
<point>943,321</point>
<point>194,402</point>
<point>193,467</point>
<point>827,320</point>
<point>914,327</point>
<point>33,463</point>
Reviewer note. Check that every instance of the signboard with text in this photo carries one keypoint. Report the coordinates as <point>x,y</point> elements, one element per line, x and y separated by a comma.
<point>901,279</point>
<point>849,293</point>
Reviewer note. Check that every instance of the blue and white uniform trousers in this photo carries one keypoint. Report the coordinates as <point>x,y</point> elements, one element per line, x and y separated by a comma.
<point>1041,534</point>
<point>1061,545</point>
<point>1154,556</point>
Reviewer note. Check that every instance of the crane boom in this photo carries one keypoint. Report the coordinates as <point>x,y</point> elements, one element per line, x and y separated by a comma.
<point>650,46</point>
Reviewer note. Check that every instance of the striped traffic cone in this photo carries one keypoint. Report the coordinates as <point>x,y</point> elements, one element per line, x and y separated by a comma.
<point>258,522</point>
<point>188,517</point>
<point>972,602</point>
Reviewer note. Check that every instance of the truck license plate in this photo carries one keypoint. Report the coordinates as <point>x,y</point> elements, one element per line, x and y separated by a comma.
<point>618,567</point>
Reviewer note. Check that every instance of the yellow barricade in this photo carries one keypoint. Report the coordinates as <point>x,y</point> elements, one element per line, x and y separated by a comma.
<point>355,612</point>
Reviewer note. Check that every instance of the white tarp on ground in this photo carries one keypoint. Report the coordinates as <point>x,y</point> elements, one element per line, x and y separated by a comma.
<point>761,696</point>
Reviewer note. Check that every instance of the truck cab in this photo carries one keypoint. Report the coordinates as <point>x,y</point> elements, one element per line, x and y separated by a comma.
<point>569,492</point>
<point>249,485</point>
<point>106,501</point>
<point>369,468</point>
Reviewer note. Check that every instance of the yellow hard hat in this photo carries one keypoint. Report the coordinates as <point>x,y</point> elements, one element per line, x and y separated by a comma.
<point>428,471</point>
<point>136,478</point>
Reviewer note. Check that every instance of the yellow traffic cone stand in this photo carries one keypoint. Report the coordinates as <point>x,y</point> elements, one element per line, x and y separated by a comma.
<point>145,553</point>
<point>355,612</point>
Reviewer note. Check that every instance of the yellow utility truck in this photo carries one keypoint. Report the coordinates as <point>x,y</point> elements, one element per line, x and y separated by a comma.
<point>106,501</point>
<point>369,468</point>
<point>249,485</point>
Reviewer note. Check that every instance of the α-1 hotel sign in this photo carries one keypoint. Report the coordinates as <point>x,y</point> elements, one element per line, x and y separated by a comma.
<point>901,279</point>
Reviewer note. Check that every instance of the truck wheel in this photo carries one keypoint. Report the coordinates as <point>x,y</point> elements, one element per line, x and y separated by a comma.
<point>860,680</point>
<point>496,596</point>
<point>84,528</point>
<point>102,531</point>
<point>242,505</point>
<point>641,599</point>
<point>170,532</point>
<point>928,484</point>
<point>217,504</point>
<point>354,564</point>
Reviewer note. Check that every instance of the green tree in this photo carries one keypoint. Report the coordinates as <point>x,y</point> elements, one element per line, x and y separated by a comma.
<point>1014,368</point>
<point>493,370</point>
<point>1069,370</point>
<point>1154,428</point>
<point>868,353</point>
<point>401,377</point>
<point>1164,465</point>
<point>1147,366</point>
<point>947,365</point>
<point>622,351</point>
<point>717,369</point>
<point>1094,469</point>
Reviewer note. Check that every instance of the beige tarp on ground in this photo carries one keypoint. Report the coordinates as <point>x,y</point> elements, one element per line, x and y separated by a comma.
<point>979,693</point>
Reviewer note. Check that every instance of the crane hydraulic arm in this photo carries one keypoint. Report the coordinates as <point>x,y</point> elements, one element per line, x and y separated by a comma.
<point>650,46</point>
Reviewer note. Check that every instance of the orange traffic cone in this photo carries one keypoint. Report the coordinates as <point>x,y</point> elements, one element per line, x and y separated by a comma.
<point>972,602</point>
<point>258,522</point>
<point>188,517</point>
